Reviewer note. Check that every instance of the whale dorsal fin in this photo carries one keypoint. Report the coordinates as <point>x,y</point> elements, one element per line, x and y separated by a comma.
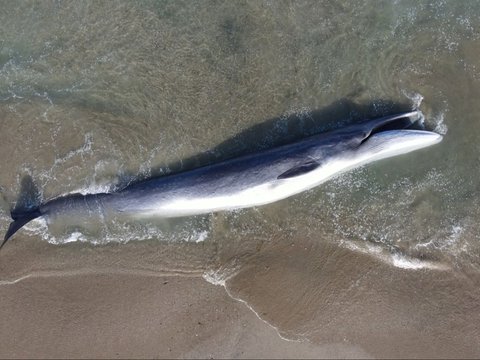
<point>299,169</point>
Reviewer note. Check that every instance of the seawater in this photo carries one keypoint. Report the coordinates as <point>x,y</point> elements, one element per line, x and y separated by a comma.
<point>95,95</point>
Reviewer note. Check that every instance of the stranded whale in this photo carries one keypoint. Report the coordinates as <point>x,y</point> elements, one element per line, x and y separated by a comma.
<point>250,180</point>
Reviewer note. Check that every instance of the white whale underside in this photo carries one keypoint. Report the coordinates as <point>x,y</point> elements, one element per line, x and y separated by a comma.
<point>255,196</point>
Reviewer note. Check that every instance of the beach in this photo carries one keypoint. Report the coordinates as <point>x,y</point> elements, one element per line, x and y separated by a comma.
<point>380,262</point>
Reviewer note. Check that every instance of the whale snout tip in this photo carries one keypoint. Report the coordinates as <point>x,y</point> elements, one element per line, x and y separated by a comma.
<point>435,137</point>
<point>422,138</point>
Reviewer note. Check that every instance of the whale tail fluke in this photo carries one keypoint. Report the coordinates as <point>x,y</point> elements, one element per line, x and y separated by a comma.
<point>26,208</point>
<point>20,218</point>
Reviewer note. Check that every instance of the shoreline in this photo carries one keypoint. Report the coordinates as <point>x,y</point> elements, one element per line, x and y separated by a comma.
<point>124,316</point>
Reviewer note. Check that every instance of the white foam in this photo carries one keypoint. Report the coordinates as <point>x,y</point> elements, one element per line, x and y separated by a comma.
<point>93,188</point>
<point>119,232</point>
<point>440,126</point>
<point>438,119</point>
<point>201,236</point>
<point>75,236</point>
<point>38,226</point>
<point>408,263</point>
<point>85,148</point>
<point>414,97</point>
<point>455,234</point>
<point>220,276</point>
<point>398,260</point>
<point>211,277</point>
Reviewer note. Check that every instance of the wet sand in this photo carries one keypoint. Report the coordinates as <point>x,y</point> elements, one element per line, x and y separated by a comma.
<point>358,307</point>
<point>125,316</point>
<point>358,300</point>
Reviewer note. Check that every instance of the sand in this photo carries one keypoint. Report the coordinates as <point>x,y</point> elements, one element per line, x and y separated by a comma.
<point>79,301</point>
<point>123,316</point>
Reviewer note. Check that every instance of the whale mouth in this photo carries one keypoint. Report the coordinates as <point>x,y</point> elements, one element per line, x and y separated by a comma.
<point>395,135</point>
<point>413,120</point>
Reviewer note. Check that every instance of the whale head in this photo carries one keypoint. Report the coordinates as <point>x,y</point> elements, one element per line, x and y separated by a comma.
<point>392,136</point>
<point>389,143</point>
<point>377,139</point>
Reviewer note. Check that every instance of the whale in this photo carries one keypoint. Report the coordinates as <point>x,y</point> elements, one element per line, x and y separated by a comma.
<point>250,180</point>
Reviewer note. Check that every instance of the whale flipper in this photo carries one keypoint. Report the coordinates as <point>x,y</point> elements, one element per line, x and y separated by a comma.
<point>299,170</point>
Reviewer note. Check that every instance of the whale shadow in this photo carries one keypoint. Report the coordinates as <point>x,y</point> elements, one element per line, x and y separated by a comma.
<point>29,196</point>
<point>282,130</point>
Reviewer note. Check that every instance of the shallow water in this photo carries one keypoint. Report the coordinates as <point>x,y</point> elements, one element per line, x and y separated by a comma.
<point>96,95</point>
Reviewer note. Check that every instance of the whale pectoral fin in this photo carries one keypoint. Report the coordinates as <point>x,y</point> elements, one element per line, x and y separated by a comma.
<point>299,170</point>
